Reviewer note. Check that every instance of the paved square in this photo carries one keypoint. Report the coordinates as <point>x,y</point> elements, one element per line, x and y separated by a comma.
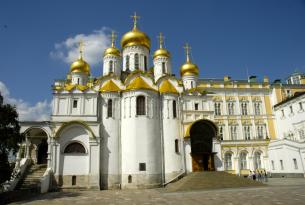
<point>278,191</point>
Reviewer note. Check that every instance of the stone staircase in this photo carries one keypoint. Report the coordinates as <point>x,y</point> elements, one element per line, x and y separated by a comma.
<point>210,180</point>
<point>31,180</point>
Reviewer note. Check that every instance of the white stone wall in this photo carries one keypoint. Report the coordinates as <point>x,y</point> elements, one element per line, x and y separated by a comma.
<point>158,71</point>
<point>131,51</point>
<point>117,65</point>
<point>189,81</point>
<point>140,140</point>
<point>173,161</point>
<point>79,78</point>
<point>110,147</point>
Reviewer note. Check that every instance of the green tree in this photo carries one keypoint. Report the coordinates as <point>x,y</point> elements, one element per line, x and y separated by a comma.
<point>10,137</point>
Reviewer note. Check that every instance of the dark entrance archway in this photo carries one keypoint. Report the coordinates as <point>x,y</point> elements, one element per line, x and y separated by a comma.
<point>202,133</point>
<point>42,152</point>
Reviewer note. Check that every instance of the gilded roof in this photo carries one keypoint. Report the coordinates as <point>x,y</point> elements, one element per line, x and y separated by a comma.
<point>167,87</point>
<point>139,83</point>
<point>109,86</point>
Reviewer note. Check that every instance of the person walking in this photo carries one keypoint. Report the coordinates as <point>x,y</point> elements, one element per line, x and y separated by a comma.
<point>266,176</point>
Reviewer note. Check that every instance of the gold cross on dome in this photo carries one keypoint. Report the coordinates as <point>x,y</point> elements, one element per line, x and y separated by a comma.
<point>135,17</point>
<point>113,37</point>
<point>81,47</point>
<point>161,40</point>
<point>187,49</point>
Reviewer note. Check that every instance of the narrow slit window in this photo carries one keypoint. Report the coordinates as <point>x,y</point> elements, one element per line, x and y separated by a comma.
<point>174,109</point>
<point>109,108</point>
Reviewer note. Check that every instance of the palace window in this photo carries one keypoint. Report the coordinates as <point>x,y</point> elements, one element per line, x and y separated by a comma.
<point>247,132</point>
<point>257,108</point>
<point>260,131</point>
<point>217,107</point>
<point>291,109</point>
<point>231,108</point>
<point>176,145</point>
<point>301,105</point>
<point>196,106</point>
<point>74,103</point>
<point>221,132</point>
<point>145,63</point>
<point>233,132</point>
<point>257,160</point>
<point>109,108</point>
<point>244,108</point>
<point>75,147</point>
<point>141,105</point>
<point>127,63</point>
<point>136,61</point>
<point>228,161</point>
<point>243,160</point>
<point>110,66</point>
<point>283,113</point>
<point>163,67</point>
<point>174,109</point>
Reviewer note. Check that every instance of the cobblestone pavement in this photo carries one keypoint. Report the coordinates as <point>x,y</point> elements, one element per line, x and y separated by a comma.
<point>279,191</point>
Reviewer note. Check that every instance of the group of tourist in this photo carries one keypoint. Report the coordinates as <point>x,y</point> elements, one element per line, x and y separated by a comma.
<point>258,175</point>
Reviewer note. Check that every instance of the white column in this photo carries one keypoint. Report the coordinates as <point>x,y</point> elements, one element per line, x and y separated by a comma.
<point>28,144</point>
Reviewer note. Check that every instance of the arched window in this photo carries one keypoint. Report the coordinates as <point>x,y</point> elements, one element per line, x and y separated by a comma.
<point>163,68</point>
<point>145,63</point>
<point>243,160</point>
<point>110,66</point>
<point>228,161</point>
<point>174,109</point>
<point>127,63</point>
<point>75,147</point>
<point>109,108</point>
<point>136,61</point>
<point>257,160</point>
<point>140,105</point>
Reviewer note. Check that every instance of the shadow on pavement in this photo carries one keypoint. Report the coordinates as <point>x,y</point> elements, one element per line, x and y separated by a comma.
<point>21,197</point>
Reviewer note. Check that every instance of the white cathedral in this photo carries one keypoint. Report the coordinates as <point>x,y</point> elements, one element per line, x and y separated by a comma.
<point>137,126</point>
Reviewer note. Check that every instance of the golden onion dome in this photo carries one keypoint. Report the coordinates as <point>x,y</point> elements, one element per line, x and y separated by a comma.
<point>161,52</point>
<point>80,66</point>
<point>112,51</point>
<point>135,37</point>
<point>188,68</point>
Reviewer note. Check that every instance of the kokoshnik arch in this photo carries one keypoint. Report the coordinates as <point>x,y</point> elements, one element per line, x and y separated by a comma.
<point>137,125</point>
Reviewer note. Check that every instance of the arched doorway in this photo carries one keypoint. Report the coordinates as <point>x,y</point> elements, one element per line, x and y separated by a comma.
<point>38,146</point>
<point>202,133</point>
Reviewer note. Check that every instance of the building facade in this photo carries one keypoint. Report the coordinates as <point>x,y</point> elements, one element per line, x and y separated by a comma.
<point>138,126</point>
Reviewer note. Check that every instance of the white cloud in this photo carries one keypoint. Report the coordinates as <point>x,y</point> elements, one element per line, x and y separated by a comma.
<point>94,45</point>
<point>39,112</point>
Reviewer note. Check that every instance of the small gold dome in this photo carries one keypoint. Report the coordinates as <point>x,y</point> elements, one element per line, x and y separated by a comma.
<point>189,69</point>
<point>112,51</point>
<point>135,37</point>
<point>161,52</point>
<point>80,66</point>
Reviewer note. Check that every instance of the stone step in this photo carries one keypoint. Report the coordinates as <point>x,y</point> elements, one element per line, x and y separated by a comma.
<point>32,178</point>
<point>211,180</point>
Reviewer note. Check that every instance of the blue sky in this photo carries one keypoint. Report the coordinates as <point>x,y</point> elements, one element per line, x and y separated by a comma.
<point>267,37</point>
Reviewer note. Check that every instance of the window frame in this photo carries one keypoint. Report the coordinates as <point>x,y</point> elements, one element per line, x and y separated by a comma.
<point>140,105</point>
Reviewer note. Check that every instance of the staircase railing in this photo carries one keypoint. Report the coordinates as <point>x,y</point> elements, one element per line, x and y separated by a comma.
<point>179,176</point>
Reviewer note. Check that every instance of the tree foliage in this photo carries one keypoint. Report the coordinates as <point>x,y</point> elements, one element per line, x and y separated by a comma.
<point>10,136</point>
